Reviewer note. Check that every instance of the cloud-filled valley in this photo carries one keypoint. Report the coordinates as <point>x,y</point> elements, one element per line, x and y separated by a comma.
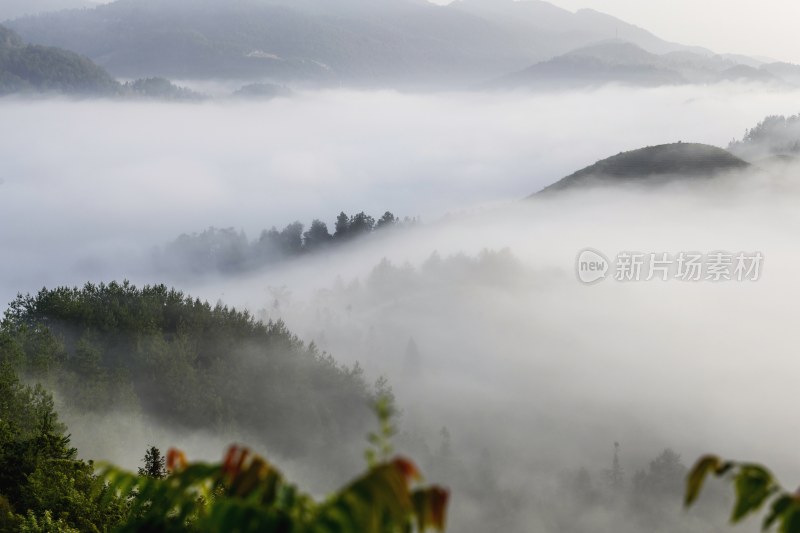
<point>475,315</point>
<point>136,175</point>
<point>403,265</point>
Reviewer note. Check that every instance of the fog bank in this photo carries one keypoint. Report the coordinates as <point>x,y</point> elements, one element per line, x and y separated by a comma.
<point>492,337</point>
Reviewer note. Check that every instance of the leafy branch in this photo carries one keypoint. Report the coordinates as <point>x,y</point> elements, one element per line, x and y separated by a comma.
<point>246,493</point>
<point>754,486</point>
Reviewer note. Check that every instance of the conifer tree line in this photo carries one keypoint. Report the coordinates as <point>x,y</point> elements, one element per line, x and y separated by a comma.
<point>226,250</point>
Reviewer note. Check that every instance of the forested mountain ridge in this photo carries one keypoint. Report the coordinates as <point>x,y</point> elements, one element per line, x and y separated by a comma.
<point>344,41</point>
<point>776,136</point>
<point>227,251</point>
<point>180,361</point>
<point>27,67</point>
<point>10,9</point>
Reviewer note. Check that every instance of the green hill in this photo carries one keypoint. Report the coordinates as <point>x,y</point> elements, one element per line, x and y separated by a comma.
<point>192,366</point>
<point>28,68</point>
<point>651,165</point>
<point>32,68</point>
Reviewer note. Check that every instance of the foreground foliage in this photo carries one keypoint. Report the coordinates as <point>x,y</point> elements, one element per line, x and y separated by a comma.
<point>45,488</point>
<point>246,493</point>
<point>755,488</point>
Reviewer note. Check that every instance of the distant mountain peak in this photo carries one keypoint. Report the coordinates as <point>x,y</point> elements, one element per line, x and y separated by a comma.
<point>375,43</point>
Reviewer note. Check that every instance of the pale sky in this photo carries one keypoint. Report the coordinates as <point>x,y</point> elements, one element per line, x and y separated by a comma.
<point>756,28</point>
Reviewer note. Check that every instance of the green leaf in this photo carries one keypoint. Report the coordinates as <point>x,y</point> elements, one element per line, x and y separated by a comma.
<point>791,519</point>
<point>777,510</point>
<point>754,484</point>
<point>694,481</point>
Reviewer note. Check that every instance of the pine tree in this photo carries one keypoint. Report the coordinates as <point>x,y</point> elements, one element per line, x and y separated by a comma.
<point>155,465</point>
<point>388,219</point>
<point>342,226</point>
<point>317,235</point>
<point>360,223</point>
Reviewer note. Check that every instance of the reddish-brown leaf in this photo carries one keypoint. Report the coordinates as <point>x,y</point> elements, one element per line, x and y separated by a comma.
<point>176,460</point>
<point>407,468</point>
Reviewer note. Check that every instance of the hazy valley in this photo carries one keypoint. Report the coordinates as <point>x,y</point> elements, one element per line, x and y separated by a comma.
<point>274,214</point>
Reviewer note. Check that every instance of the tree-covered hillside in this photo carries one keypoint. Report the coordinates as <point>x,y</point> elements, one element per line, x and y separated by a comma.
<point>227,251</point>
<point>775,136</point>
<point>45,488</point>
<point>27,67</point>
<point>116,347</point>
